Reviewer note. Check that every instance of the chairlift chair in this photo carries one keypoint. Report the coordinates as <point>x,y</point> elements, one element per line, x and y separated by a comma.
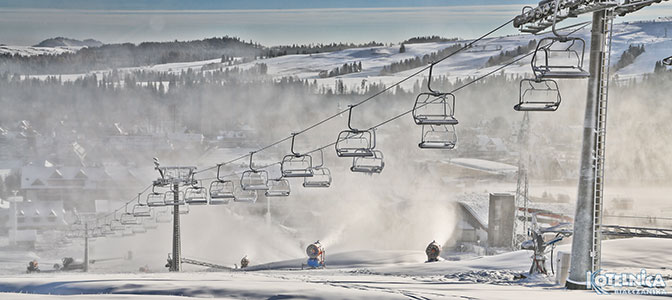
<point>438,137</point>
<point>141,210</point>
<point>127,218</point>
<point>321,175</point>
<point>169,198</point>
<point>353,142</point>
<point>370,165</point>
<point>559,56</point>
<point>196,195</point>
<point>221,191</point>
<point>295,164</point>
<point>155,199</point>
<point>278,188</point>
<point>433,107</point>
<point>253,179</point>
<point>538,95</point>
<point>246,196</point>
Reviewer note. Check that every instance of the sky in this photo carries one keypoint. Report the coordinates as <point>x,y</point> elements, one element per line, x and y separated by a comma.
<point>270,22</point>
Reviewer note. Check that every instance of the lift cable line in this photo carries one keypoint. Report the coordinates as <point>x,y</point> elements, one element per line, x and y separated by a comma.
<point>465,47</point>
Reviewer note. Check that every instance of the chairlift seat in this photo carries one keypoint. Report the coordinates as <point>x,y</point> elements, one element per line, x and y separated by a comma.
<point>142,211</point>
<point>321,178</point>
<point>434,109</point>
<point>254,180</point>
<point>278,188</point>
<point>128,219</point>
<point>560,58</point>
<point>155,199</point>
<point>245,196</point>
<point>296,166</point>
<point>438,137</point>
<point>196,195</point>
<point>355,143</point>
<point>538,95</point>
<point>369,165</point>
<point>221,192</point>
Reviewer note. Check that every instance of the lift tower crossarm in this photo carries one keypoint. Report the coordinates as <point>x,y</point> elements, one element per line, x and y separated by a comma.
<point>537,19</point>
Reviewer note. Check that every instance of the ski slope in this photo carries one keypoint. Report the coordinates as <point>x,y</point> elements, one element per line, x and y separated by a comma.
<point>367,274</point>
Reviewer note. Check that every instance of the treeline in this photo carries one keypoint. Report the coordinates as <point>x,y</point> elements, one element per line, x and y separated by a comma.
<point>628,57</point>
<point>506,56</point>
<point>418,61</point>
<point>354,67</point>
<point>315,48</point>
<point>428,39</point>
<point>112,56</point>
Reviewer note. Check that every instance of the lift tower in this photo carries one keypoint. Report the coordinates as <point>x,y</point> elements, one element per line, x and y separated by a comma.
<point>588,218</point>
<point>174,177</point>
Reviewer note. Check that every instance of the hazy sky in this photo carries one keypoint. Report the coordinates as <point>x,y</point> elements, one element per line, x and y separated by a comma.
<point>271,22</point>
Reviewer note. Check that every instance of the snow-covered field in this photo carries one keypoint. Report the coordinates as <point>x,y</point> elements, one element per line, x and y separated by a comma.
<point>468,63</point>
<point>350,275</point>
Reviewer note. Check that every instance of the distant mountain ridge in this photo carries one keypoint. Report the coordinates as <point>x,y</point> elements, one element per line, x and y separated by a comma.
<point>68,42</point>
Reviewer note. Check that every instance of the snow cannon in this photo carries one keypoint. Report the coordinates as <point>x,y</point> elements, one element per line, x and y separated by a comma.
<point>433,251</point>
<point>315,253</point>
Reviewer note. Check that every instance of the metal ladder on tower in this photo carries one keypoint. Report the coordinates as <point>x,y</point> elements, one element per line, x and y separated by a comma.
<point>600,142</point>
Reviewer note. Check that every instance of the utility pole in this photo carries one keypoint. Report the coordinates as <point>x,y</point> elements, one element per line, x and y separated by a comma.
<point>586,240</point>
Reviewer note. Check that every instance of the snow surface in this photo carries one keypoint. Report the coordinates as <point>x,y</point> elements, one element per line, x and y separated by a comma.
<point>350,275</point>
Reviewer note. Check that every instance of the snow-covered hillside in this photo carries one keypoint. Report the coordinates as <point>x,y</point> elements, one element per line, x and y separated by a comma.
<point>656,36</point>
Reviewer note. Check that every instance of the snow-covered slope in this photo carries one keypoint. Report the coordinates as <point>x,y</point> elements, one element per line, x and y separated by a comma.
<point>387,275</point>
<point>31,50</point>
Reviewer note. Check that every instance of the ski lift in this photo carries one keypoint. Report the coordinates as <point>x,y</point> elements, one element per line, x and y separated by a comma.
<point>221,191</point>
<point>246,196</point>
<point>321,175</point>
<point>354,142</point>
<point>127,218</point>
<point>559,56</point>
<point>438,137</point>
<point>141,210</point>
<point>433,107</point>
<point>169,198</point>
<point>155,198</point>
<point>196,195</point>
<point>254,180</point>
<point>278,188</point>
<point>295,164</point>
<point>370,164</point>
<point>538,95</point>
